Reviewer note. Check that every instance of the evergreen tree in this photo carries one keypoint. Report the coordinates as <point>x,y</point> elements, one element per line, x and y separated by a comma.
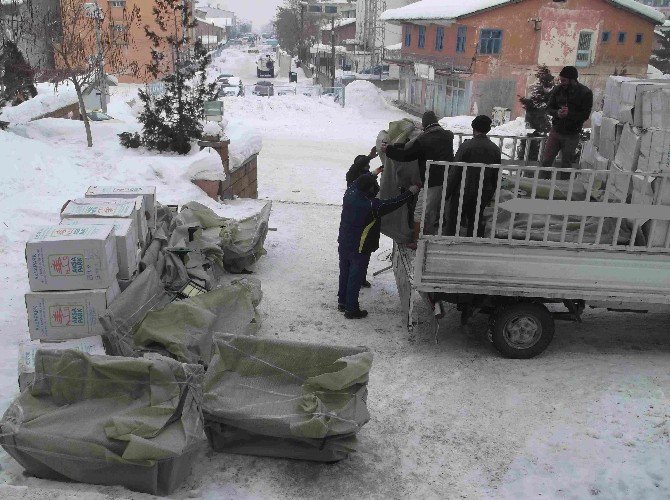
<point>536,104</point>
<point>172,120</point>
<point>660,58</point>
<point>17,77</point>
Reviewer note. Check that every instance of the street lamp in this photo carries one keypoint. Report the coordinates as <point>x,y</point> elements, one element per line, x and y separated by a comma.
<point>93,11</point>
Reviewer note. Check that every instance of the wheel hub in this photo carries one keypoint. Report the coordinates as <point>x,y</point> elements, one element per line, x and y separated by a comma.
<point>523,332</point>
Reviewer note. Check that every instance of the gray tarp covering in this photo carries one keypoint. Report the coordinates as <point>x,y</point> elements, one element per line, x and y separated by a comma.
<point>107,420</point>
<point>144,318</point>
<point>397,175</point>
<point>285,399</point>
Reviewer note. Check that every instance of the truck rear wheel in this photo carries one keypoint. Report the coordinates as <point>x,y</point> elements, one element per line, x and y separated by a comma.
<point>523,330</point>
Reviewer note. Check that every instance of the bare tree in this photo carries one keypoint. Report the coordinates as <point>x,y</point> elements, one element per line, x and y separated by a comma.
<point>84,41</point>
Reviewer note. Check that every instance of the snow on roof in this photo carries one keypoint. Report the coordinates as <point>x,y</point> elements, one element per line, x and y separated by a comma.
<point>395,46</point>
<point>48,100</point>
<point>221,22</point>
<point>454,9</point>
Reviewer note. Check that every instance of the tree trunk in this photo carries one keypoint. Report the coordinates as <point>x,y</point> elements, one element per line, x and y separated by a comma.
<point>82,112</point>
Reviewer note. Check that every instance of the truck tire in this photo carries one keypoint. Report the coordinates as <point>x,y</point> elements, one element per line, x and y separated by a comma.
<point>523,330</point>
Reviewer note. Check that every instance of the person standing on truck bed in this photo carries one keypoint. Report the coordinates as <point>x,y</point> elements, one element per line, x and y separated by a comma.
<point>479,149</point>
<point>434,144</point>
<point>359,234</point>
<point>569,105</point>
<point>361,166</point>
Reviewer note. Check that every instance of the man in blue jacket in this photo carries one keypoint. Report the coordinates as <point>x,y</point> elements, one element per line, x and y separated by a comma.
<point>359,236</point>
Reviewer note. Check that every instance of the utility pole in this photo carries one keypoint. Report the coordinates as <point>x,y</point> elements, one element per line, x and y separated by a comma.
<point>93,11</point>
<point>332,51</point>
<point>302,33</point>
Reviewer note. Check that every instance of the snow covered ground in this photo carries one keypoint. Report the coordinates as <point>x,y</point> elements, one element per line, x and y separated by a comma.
<point>590,417</point>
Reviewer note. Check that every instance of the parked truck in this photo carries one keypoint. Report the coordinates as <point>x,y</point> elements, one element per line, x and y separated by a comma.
<point>265,67</point>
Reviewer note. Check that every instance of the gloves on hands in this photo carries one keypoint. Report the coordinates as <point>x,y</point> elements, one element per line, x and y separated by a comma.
<point>414,190</point>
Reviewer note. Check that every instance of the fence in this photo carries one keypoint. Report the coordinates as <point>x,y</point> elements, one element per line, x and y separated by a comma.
<point>518,150</point>
<point>512,205</point>
<point>273,89</point>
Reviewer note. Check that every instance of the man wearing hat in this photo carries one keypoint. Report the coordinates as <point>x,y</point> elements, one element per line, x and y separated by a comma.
<point>479,149</point>
<point>434,144</point>
<point>360,230</point>
<point>569,105</point>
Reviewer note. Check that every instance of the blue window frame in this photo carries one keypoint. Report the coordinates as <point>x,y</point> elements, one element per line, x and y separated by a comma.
<point>606,36</point>
<point>490,41</point>
<point>408,36</point>
<point>460,38</point>
<point>422,37</point>
<point>439,39</point>
<point>638,38</point>
<point>621,37</point>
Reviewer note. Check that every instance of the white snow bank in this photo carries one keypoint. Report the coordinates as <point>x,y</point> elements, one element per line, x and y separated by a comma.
<point>244,143</point>
<point>206,165</point>
<point>365,98</point>
<point>47,100</point>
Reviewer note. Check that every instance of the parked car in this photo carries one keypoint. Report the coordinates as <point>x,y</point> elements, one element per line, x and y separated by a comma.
<point>224,76</point>
<point>264,89</point>
<point>376,70</point>
<point>99,116</point>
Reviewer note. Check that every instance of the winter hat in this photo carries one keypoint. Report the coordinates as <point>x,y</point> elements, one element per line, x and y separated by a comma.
<point>429,118</point>
<point>361,160</point>
<point>482,124</point>
<point>569,72</point>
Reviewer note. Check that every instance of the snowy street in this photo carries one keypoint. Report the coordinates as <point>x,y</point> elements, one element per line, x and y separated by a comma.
<point>450,417</point>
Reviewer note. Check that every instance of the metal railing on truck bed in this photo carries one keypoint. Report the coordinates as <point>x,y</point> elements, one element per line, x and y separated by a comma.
<point>516,150</point>
<point>509,243</point>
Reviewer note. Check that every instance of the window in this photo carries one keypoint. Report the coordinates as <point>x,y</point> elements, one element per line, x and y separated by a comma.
<point>119,28</point>
<point>314,8</point>
<point>490,41</point>
<point>638,38</point>
<point>422,37</point>
<point>606,36</point>
<point>621,37</point>
<point>460,39</point>
<point>439,39</point>
<point>330,10</point>
<point>408,36</point>
<point>117,3</point>
<point>584,49</point>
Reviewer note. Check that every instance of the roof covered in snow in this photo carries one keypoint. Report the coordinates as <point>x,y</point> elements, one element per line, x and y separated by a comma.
<point>427,10</point>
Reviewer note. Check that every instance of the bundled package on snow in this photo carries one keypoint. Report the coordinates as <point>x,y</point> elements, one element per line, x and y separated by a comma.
<point>127,243</point>
<point>148,193</point>
<point>28,349</point>
<point>72,258</point>
<point>241,240</point>
<point>398,175</point>
<point>55,316</point>
<point>113,208</point>
<point>287,399</point>
<point>146,317</point>
<point>107,420</point>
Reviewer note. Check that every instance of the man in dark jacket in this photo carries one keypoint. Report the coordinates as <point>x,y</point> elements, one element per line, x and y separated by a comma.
<point>359,237</point>
<point>434,144</point>
<point>361,166</point>
<point>569,105</point>
<point>479,149</point>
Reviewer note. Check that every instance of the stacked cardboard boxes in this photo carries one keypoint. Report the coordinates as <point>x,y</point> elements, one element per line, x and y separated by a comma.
<point>632,134</point>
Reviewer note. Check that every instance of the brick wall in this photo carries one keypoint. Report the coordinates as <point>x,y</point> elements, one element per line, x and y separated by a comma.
<point>241,182</point>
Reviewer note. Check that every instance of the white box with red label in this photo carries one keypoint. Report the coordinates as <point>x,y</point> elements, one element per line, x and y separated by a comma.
<point>56,316</point>
<point>148,193</point>
<point>72,258</point>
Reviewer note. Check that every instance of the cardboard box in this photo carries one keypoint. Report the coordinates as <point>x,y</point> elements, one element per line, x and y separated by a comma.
<point>110,208</point>
<point>632,108</point>
<point>619,183</point>
<point>613,95</point>
<point>56,316</point>
<point>28,349</point>
<point>127,243</point>
<point>609,136</point>
<point>652,190</point>
<point>588,159</point>
<point>599,161</point>
<point>72,258</point>
<point>148,193</point>
<point>656,109</point>
<point>655,151</point>
<point>628,150</point>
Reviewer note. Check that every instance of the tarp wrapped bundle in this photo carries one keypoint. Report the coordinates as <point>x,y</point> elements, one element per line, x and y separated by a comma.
<point>107,420</point>
<point>146,317</point>
<point>398,175</point>
<point>287,399</point>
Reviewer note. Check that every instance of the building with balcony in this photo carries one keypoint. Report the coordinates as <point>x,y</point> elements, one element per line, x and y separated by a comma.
<point>465,58</point>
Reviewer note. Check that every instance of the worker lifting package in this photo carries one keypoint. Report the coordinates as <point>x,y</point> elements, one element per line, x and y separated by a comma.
<point>282,398</point>
<point>107,420</point>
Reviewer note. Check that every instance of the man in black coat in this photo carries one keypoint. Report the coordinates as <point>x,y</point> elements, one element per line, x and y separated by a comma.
<point>569,105</point>
<point>434,144</point>
<point>479,149</point>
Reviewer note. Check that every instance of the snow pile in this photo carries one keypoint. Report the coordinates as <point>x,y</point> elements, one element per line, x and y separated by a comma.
<point>364,97</point>
<point>514,128</point>
<point>206,166</point>
<point>212,129</point>
<point>457,124</point>
<point>47,100</point>
<point>244,143</point>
